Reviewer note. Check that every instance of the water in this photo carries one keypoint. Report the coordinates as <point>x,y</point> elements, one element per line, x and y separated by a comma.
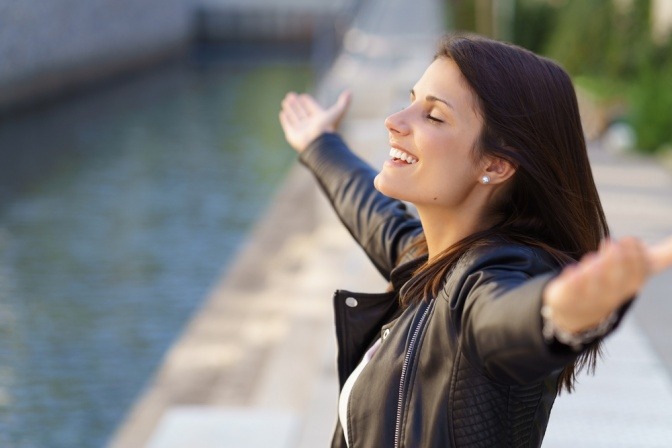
<point>119,209</point>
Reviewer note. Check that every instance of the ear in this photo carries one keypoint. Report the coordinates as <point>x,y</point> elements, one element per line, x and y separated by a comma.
<point>498,170</point>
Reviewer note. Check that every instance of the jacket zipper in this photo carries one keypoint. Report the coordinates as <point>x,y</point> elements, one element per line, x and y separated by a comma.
<point>404,372</point>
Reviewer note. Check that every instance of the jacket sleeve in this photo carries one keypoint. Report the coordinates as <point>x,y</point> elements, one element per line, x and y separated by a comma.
<point>381,226</point>
<point>500,321</point>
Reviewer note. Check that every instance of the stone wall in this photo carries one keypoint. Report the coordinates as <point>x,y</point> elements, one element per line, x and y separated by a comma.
<point>52,47</point>
<point>48,46</point>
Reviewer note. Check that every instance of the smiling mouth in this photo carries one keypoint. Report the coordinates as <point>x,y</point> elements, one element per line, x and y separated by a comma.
<point>398,154</point>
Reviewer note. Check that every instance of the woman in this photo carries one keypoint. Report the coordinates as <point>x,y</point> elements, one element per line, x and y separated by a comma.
<point>505,285</point>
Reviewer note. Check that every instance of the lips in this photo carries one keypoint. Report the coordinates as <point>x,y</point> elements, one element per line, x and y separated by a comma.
<point>402,155</point>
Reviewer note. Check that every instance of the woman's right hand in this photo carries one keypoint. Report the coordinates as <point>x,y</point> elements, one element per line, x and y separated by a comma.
<point>303,119</point>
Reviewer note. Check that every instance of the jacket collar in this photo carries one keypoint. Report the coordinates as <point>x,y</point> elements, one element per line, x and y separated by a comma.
<point>403,272</point>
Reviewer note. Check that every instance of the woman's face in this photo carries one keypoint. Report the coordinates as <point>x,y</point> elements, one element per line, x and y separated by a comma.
<point>431,161</point>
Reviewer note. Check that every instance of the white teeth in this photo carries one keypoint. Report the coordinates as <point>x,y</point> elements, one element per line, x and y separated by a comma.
<point>399,154</point>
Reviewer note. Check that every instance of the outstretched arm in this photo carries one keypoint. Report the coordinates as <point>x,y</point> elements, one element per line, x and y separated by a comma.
<point>587,293</point>
<point>500,319</point>
<point>380,225</point>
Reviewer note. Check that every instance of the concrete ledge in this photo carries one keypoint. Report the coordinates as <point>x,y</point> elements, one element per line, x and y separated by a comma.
<point>237,23</point>
<point>34,74</point>
<point>319,30</point>
<point>194,426</point>
<point>219,356</point>
<point>49,48</point>
<point>57,82</point>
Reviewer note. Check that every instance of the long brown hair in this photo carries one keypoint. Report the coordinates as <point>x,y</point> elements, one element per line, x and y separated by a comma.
<point>530,119</point>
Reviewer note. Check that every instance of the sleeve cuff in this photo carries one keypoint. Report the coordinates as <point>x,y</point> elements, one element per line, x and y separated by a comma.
<point>577,341</point>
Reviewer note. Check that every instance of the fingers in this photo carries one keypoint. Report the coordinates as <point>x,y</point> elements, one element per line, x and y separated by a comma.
<point>303,119</point>
<point>586,293</point>
<point>285,122</point>
<point>661,255</point>
<point>338,110</point>
<point>343,101</point>
<point>622,266</point>
<point>294,107</point>
<point>301,107</point>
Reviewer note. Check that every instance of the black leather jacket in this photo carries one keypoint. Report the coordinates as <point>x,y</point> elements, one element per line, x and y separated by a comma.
<point>470,368</point>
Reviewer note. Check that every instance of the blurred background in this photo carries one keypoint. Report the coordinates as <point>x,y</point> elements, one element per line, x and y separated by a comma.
<point>139,146</point>
<point>618,52</point>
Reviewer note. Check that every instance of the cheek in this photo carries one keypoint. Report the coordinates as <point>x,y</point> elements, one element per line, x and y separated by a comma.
<point>433,139</point>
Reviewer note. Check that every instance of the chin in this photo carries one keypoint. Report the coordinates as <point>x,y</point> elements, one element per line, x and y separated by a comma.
<point>384,188</point>
<point>379,184</point>
<point>376,183</point>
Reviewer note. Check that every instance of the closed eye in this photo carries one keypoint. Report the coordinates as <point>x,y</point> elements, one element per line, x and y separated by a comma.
<point>434,119</point>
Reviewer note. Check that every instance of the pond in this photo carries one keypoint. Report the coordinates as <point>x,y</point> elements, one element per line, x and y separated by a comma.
<point>119,209</point>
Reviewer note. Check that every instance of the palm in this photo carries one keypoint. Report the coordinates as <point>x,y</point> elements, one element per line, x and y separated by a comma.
<point>303,119</point>
<point>586,293</point>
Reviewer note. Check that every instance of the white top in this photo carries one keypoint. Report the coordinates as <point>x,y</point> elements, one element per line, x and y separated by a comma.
<point>349,383</point>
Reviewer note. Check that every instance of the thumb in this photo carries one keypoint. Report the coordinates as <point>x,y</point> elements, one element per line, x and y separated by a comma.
<point>337,111</point>
<point>661,255</point>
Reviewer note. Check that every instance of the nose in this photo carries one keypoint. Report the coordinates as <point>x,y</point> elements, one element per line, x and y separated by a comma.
<point>396,123</point>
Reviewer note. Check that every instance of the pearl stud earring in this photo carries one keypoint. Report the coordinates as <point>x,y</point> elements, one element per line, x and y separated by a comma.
<point>485,179</point>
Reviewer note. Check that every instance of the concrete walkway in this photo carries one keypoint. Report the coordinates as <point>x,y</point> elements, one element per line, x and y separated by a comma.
<point>628,402</point>
<point>256,367</point>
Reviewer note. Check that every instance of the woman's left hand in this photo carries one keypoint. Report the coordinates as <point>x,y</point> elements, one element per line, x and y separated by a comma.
<point>586,293</point>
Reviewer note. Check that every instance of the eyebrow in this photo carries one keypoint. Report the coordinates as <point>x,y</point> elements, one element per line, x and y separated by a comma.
<point>432,98</point>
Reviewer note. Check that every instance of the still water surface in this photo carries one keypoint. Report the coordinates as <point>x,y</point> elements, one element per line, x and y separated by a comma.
<point>118,211</point>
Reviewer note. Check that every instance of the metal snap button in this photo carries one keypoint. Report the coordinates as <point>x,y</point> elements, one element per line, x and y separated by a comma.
<point>386,333</point>
<point>351,302</point>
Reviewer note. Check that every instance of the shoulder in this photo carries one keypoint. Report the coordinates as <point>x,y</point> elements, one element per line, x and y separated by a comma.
<point>504,261</point>
<point>509,256</point>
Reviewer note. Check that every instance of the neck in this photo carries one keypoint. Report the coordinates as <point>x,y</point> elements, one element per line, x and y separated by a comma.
<point>443,229</point>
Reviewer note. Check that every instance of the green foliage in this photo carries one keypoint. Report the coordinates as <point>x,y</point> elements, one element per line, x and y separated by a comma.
<point>607,45</point>
<point>603,90</point>
<point>651,107</point>
<point>461,15</point>
<point>596,37</point>
<point>600,40</point>
<point>532,24</point>
<point>580,40</point>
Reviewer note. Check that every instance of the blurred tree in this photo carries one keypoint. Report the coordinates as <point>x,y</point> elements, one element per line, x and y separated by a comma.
<point>461,15</point>
<point>493,18</point>
<point>611,41</point>
<point>610,46</point>
<point>650,102</point>
<point>533,24</point>
<point>605,37</point>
